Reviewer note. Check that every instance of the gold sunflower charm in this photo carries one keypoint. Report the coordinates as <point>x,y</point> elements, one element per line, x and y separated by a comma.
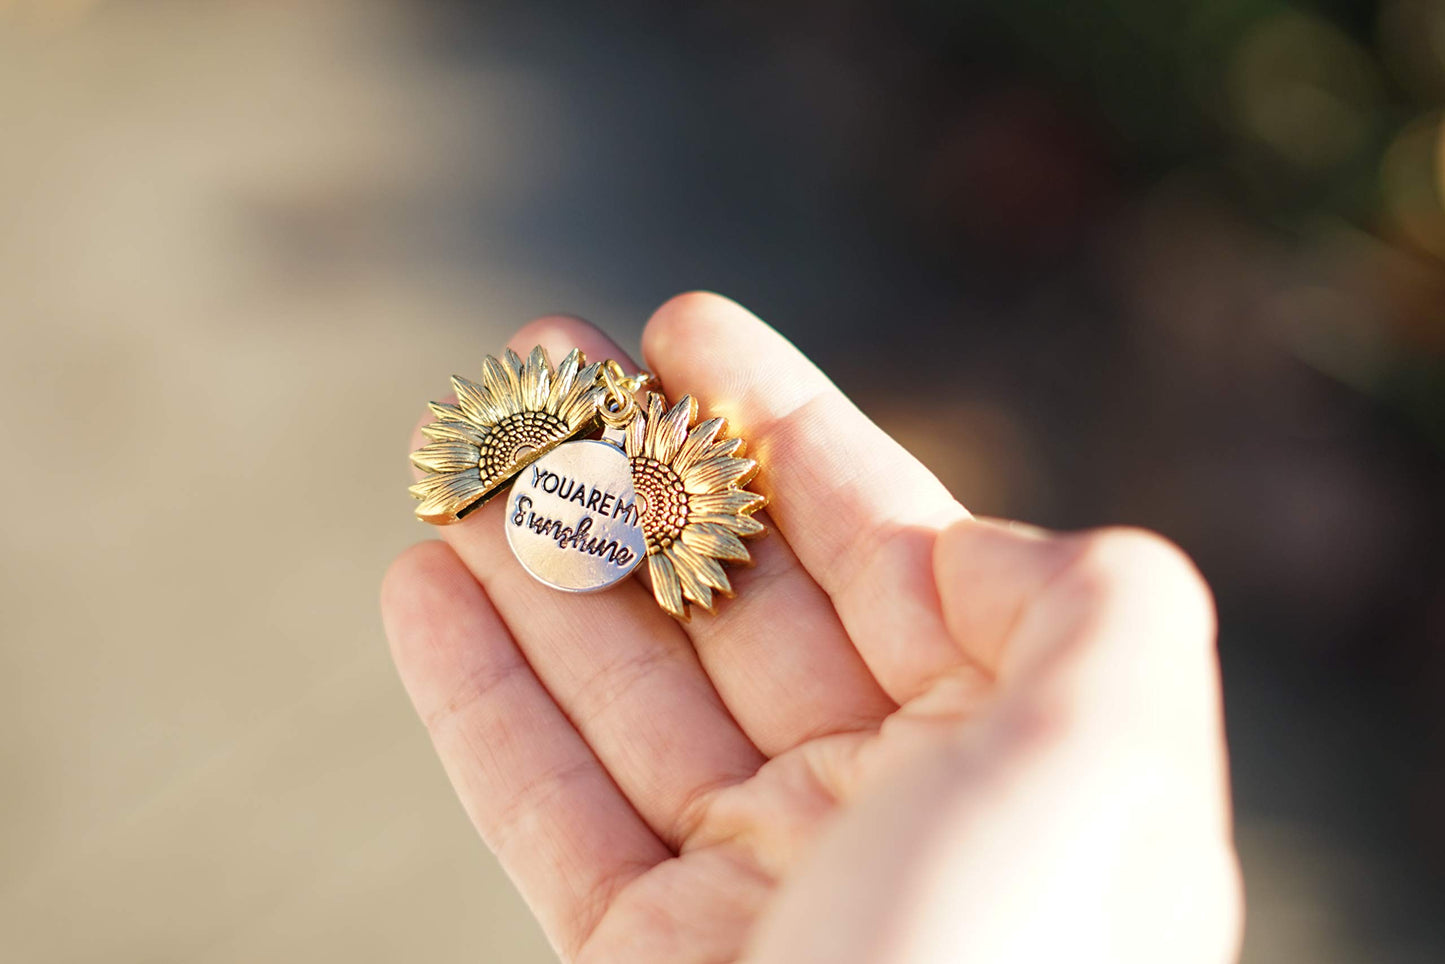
<point>689,486</point>
<point>520,412</point>
<point>583,512</point>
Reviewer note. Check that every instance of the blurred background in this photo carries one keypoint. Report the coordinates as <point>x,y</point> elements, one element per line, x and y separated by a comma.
<point>1178,263</point>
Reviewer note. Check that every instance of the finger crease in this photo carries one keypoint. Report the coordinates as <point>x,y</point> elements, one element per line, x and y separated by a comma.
<point>481,683</point>
<point>616,680</point>
<point>596,901</point>
<point>534,795</point>
<point>692,812</point>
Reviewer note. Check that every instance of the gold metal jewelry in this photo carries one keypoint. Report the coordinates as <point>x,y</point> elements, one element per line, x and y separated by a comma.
<point>583,513</point>
<point>690,482</point>
<point>519,413</point>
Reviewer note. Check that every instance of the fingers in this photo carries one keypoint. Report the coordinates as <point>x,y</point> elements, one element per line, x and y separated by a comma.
<point>534,790</point>
<point>859,511</point>
<point>987,572</point>
<point>619,667</point>
<point>777,652</point>
<point>780,657</point>
<point>1090,792</point>
<point>1112,630</point>
<point>1104,643</point>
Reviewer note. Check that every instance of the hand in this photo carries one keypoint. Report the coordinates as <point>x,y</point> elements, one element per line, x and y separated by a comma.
<point>914,736</point>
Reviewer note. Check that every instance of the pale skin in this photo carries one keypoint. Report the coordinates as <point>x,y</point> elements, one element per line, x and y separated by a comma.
<point>913,737</point>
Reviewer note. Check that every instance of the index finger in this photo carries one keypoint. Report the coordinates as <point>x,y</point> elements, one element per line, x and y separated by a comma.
<point>861,513</point>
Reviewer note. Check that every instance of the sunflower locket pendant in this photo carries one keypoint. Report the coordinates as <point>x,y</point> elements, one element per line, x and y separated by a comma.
<point>583,513</point>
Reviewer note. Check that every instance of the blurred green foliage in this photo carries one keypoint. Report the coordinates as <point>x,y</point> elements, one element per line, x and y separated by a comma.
<point>1322,121</point>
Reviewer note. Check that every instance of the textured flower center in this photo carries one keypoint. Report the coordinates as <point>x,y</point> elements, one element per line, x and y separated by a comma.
<point>662,501</point>
<point>516,436</point>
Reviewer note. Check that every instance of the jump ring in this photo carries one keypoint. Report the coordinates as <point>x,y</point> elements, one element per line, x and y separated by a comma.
<point>628,383</point>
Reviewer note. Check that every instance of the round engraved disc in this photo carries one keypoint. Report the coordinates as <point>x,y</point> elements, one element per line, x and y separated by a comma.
<point>573,520</point>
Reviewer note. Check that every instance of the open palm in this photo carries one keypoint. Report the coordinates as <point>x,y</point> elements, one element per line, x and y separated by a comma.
<point>912,737</point>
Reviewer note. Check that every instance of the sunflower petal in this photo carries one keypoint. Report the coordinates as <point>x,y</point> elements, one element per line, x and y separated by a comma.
<point>563,380</point>
<point>428,486</point>
<point>672,429</point>
<point>689,566</point>
<point>514,361</point>
<point>714,541</point>
<point>475,401</point>
<point>536,379</point>
<point>656,410</point>
<point>502,382</point>
<point>445,412</point>
<point>449,486</point>
<point>580,402</point>
<point>730,502</point>
<point>446,457</point>
<point>717,474</point>
<point>583,408</point>
<point>636,439</point>
<point>698,442</point>
<point>586,378</point>
<point>700,569</point>
<point>455,432</point>
<point>665,585</point>
<point>743,525</point>
<point>443,504</point>
<point>728,447</point>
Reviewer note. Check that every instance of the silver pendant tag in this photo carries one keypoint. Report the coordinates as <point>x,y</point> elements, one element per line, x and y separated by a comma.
<point>573,520</point>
